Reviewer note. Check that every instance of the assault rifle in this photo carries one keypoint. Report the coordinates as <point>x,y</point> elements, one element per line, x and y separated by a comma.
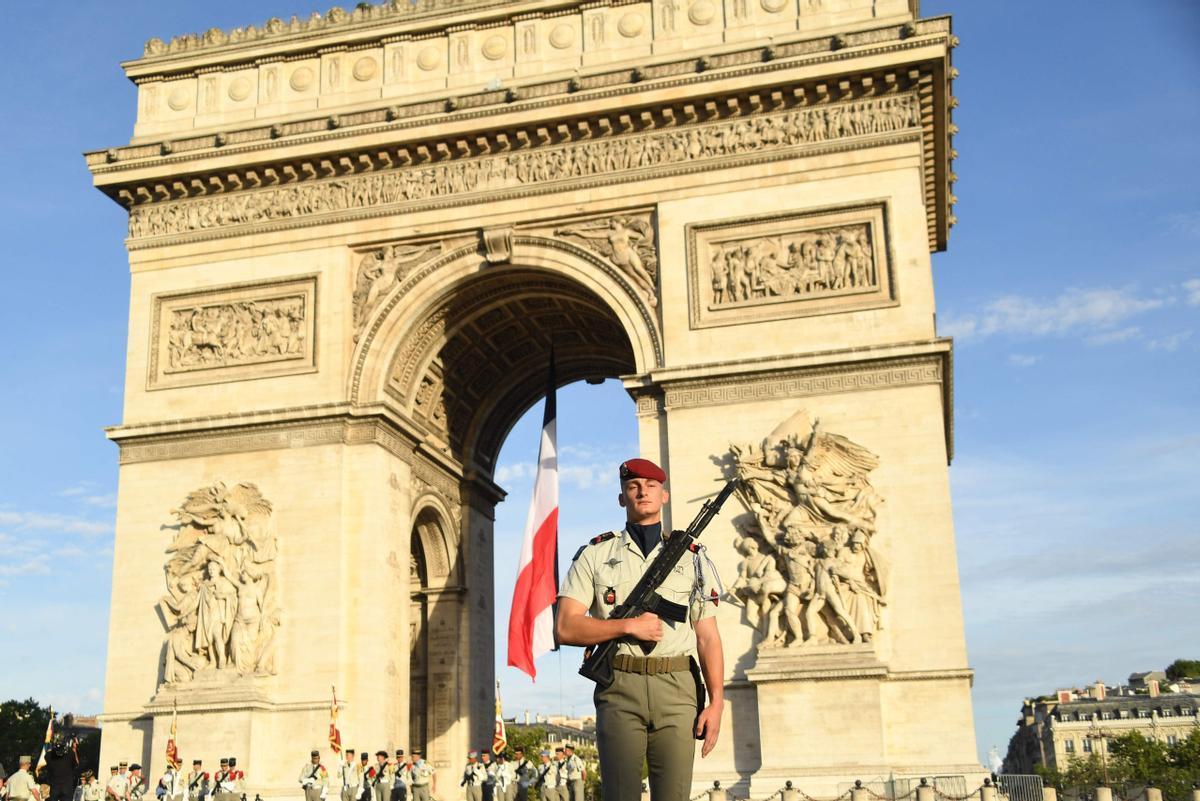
<point>598,659</point>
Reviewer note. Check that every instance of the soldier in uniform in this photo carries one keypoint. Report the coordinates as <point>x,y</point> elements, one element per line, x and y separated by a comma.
<point>314,778</point>
<point>92,790</point>
<point>400,776</point>
<point>223,783</point>
<point>489,783</point>
<point>523,773</point>
<point>237,777</point>
<point>170,786</point>
<point>351,776</point>
<point>137,782</point>
<point>652,709</point>
<point>576,773</point>
<point>21,785</point>
<point>382,784</point>
<point>421,777</point>
<point>197,782</point>
<point>474,775</point>
<point>547,779</point>
<point>505,778</point>
<point>367,774</point>
<point>118,783</point>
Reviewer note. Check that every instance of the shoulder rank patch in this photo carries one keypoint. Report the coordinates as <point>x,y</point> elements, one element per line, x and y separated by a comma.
<point>599,538</point>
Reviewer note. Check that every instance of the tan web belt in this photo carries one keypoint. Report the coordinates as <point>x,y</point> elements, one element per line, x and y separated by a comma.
<point>650,665</point>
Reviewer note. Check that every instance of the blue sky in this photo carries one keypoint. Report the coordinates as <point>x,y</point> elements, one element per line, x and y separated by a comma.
<point>1071,284</point>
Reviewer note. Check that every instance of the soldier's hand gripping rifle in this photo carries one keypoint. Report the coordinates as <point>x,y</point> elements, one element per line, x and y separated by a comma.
<point>598,659</point>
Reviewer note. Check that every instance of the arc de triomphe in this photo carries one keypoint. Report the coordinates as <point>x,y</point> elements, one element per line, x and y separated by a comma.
<point>352,238</point>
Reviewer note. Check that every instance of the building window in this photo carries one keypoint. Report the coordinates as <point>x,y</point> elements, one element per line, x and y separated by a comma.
<point>1064,716</point>
<point>1172,739</point>
<point>1069,745</point>
<point>1087,746</point>
<point>1106,715</point>
<point>1167,712</point>
<point>1187,711</point>
<point>1143,713</point>
<point>1124,714</point>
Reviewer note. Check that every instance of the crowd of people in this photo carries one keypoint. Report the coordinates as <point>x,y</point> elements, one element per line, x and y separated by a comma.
<point>558,777</point>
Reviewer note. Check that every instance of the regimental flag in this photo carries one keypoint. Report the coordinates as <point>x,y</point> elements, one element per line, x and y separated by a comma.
<point>335,736</point>
<point>41,763</point>
<point>499,737</point>
<point>172,748</point>
<point>531,624</point>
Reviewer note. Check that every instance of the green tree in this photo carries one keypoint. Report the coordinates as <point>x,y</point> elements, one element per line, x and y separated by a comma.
<point>1183,669</point>
<point>22,731</point>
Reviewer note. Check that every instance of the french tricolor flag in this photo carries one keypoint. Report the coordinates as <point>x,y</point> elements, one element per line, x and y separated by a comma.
<point>531,626</point>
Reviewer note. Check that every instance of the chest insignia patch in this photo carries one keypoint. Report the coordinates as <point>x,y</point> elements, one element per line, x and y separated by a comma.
<point>610,596</point>
<point>614,563</point>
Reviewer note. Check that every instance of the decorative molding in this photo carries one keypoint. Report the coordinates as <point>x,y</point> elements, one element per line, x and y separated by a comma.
<point>804,382</point>
<point>676,149</point>
<point>786,265</point>
<point>626,241</point>
<point>233,333</point>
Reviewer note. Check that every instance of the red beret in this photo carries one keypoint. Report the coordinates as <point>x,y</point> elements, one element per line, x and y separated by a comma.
<point>642,468</point>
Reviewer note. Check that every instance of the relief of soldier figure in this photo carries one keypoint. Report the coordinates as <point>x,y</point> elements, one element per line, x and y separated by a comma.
<point>220,608</point>
<point>801,265</point>
<point>236,333</point>
<point>812,571</point>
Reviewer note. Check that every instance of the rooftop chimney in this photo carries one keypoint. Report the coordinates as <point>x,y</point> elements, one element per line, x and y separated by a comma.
<point>1152,685</point>
<point>1064,696</point>
<point>1098,691</point>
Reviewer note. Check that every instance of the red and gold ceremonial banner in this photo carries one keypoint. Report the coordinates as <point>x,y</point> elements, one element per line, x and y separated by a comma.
<point>172,748</point>
<point>335,736</point>
<point>499,737</point>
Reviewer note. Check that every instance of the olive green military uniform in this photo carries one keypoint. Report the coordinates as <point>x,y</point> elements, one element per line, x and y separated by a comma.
<point>21,786</point>
<point>420,777</point>
<point>651,706</point>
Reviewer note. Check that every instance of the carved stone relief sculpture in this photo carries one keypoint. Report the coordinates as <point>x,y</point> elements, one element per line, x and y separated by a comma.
<point>627,242</point>
<point>812,571</point>
<point>233,332</point>
<point>538,168</point>
<point>221,609</point>
<point>379,271</point>
<point>790,264</point>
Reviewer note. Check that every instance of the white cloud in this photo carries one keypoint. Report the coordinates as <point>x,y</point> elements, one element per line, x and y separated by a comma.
<point>1090,312</point>
<point>1186,223</point>
<point>1023,359</point>
<point>1114,336</point>
<point>38,565</point>
<point>1192,288</point>
<point>1170,342</point>
<point>89,494</point>
<point>71,524</point>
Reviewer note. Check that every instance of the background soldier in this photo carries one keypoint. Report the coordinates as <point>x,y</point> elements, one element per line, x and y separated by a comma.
<point>489,782</point>
<point>351,775</point>
<point>20,786</point>
<point>524,773</point>
<point>314,778</point>
<point>421,776</point>
<point>400,776</point>
<point>170,786</point>
<point>197,782</point>
<point>660,691</point>
<point>137,782</point>
<point>505,778</point>
<point>222,789</point>
<point>474,775</point>
<point>237,777</point>
<point>92,789</point>
<point>547,779</point>
<point>576,773</point>
<point>383,777</point>
<point>118,784</point>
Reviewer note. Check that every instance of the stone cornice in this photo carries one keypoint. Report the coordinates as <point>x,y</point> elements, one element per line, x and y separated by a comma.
<point>821,373</point>
<point>340,158</point>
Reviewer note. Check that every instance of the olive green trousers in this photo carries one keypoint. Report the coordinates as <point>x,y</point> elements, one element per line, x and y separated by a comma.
<point>651,718</point>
